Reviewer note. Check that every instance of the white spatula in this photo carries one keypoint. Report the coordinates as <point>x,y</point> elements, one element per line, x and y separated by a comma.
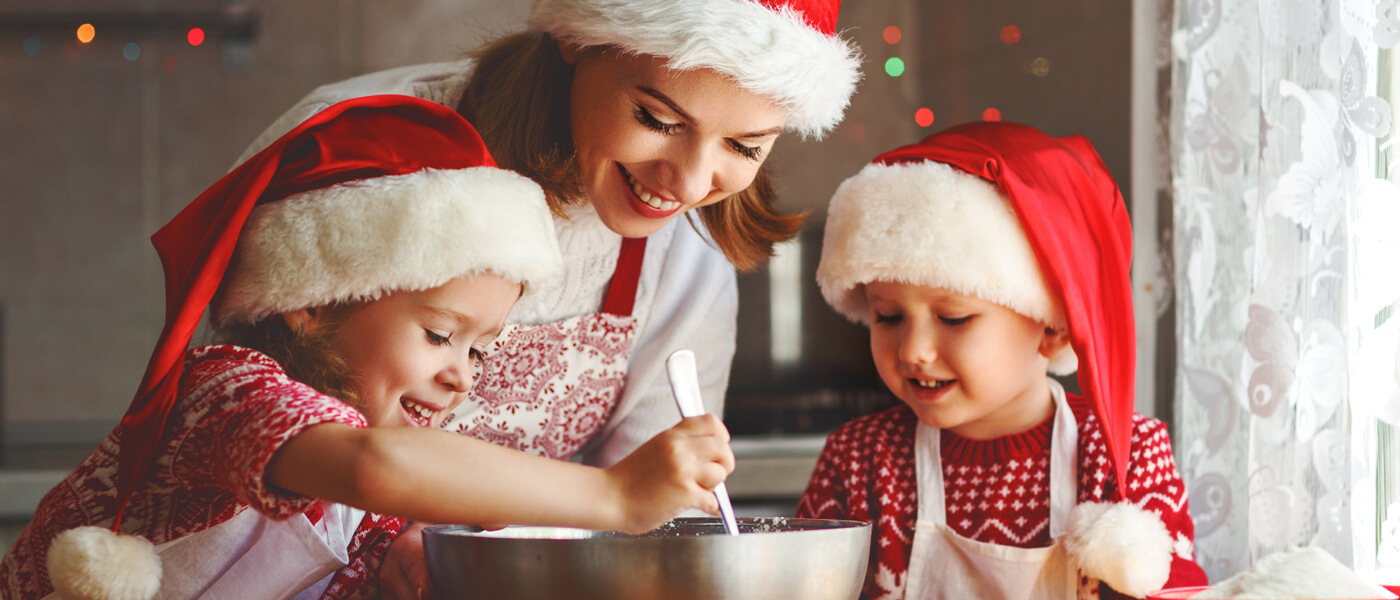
<point>685,385</point>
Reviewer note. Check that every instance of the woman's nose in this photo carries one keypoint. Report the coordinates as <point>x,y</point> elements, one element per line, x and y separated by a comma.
<point>689,174</point>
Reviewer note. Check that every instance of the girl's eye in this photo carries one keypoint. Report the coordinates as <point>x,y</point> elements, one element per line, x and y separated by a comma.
<point>750,152</point>
<point>478,355</point>
<point>881,318</point>
<point>436,339</point>
<point>650,121</point>
<point>954,321</point>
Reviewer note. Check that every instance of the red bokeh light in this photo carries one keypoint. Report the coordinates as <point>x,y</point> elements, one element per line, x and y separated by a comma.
<point>924,117</point>
<point>1010,34</point>
<point>991,114</point>
<point>892,35</point>
<point>195,36</point>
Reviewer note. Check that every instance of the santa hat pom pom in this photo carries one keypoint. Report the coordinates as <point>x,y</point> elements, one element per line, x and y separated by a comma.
<point>94,563</point>
<point>1120,544</point>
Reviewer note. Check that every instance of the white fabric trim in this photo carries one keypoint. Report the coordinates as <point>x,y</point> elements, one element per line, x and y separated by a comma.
<point>928,223</point>
<point>773,53</point>
<point>362,239</point>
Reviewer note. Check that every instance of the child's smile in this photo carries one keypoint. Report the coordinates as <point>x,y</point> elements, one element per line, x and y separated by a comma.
<point>963,364</point>
<point>413,353</point>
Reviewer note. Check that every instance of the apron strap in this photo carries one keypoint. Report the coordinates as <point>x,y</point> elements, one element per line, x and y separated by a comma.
<point>622,291</point>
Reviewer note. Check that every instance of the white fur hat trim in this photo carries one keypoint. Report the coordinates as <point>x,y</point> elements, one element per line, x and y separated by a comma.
<point>774,53</point>
<point>94,563</point>
<point>1120,544</point>
<point>362,239</point>
<point>928,223</point>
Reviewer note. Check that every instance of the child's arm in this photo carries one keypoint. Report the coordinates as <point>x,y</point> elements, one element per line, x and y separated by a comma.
<point>442,477</point>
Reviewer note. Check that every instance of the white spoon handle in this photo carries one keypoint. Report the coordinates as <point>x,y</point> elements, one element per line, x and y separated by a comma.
<point>685,385</point>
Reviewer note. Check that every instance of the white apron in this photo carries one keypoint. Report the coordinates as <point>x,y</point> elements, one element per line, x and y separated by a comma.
<point>943,564</point>
<point>254,556</point>
<point>547,388</point>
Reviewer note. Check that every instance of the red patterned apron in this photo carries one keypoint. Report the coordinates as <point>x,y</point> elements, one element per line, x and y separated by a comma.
<point>547,388</point>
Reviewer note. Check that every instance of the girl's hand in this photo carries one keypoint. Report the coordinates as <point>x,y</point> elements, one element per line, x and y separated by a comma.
<point>404,572</point>
<point>673,472</point>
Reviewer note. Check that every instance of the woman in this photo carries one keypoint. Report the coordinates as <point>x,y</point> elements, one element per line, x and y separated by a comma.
<point>629,114</point>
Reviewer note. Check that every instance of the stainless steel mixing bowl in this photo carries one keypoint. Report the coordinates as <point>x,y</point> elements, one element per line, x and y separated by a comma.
<point>688,558</point>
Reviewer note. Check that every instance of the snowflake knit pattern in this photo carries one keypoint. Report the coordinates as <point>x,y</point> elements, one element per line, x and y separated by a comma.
<point>996,491</point>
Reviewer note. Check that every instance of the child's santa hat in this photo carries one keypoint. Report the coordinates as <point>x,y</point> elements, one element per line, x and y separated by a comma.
<point>370,196</point>
<point>1009,214</point>
<point>786,50</point>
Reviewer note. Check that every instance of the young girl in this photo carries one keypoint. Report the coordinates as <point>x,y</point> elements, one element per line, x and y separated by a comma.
<point>981,258</point>
<point>360,263</point>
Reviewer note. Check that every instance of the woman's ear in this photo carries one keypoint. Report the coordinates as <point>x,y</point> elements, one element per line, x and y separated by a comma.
<point>300,321</point>
<point>1054,342</point>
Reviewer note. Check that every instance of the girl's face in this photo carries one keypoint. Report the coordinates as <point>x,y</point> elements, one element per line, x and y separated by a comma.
<point>653,143</point>
<point>963,364</point>
<point>411,355</point>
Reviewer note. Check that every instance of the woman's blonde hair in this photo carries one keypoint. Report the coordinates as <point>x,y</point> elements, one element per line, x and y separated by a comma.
<point>518,99</point>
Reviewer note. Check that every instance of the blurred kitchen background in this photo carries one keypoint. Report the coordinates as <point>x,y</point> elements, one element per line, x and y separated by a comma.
<point>108,129</point>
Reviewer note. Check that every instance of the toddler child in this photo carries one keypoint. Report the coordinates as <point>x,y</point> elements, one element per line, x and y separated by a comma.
<point>981,258</point>
<point>357,265</point>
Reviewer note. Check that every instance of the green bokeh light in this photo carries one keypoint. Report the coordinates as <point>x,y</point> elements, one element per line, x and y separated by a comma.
<point>894,66</point>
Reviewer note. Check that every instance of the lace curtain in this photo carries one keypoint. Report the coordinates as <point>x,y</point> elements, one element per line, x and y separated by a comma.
<point>1286,235</point>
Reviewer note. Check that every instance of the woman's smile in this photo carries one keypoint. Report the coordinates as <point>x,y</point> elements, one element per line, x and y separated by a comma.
<point>653,204</point>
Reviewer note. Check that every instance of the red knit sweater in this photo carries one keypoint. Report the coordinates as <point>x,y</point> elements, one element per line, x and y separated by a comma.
<point>996,491</point>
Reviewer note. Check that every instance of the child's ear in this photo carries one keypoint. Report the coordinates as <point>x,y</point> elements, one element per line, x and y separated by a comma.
<point>1054,342</point>
<point>302,320</point>
<point>569,52</point>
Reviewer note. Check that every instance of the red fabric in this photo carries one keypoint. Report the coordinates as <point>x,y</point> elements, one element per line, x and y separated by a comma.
<point>365,137</point>
<point>866,472</point>
<point>622,291</point>
<point>235,410</point>
<point>819,14</point>
<point>1076,222</point>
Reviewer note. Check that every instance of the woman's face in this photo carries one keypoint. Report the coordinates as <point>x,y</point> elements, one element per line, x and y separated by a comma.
<point>653,143</point>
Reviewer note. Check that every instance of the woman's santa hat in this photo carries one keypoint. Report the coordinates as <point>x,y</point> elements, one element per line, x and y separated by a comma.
<point>1009,214</point>
<point>369,196</point>
<point>786,50</point>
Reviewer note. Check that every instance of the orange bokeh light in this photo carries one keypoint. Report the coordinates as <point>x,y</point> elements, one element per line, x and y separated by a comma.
<point>1010,34</point>
<point>892,35</point>
<point>924,117</point>
<point>195,36</point>
<point>86,32</point>
<point>991,114</point>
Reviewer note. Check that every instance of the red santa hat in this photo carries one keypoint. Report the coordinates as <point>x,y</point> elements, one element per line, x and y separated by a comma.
<point>1035,223</point>
<point>786,50</point>
<point>369,196</point>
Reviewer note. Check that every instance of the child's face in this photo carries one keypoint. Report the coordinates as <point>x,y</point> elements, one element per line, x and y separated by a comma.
<point>411,354</point>
<point>963,364</point>
<point>685,138</point>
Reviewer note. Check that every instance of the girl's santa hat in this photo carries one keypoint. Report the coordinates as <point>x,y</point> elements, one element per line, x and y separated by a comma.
<point>786,50</point>
<point>1009,214</point>
<point>369,196</point>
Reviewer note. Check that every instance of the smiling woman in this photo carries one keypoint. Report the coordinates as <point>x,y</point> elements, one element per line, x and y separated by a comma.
<point>629,115</point>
